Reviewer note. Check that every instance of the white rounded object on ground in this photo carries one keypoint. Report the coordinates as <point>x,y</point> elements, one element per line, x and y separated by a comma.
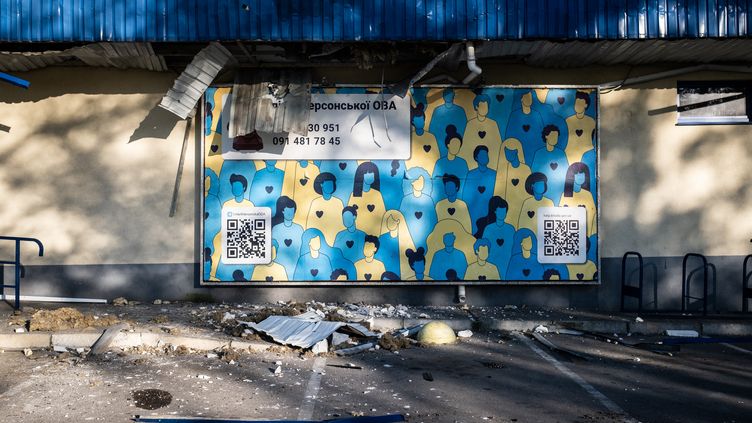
<point>436,333</point>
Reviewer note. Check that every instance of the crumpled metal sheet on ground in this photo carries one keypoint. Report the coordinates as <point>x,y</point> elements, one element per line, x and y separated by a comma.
<point>305,330</point>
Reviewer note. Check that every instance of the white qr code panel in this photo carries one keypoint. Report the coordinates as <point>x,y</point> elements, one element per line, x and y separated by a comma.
<point>562,235</point>
<point>247,235</point>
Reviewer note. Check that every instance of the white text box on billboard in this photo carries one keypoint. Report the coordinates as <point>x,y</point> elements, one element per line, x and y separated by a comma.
<point>562,235</point>
<point>340,127</point>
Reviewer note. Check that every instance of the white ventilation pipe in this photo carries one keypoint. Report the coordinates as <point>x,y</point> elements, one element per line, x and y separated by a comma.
<point>475,70</point>
<point>461,296</point>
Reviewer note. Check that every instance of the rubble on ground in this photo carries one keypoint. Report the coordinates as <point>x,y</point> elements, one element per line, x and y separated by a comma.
<point>67,318</point>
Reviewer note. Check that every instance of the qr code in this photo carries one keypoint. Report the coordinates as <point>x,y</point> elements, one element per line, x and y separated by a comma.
<point>246,239</point>
<point>246,235</point>
<point>561,237</point>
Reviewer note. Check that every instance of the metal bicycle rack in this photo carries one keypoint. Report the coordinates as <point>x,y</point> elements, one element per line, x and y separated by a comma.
<point>686,279</point>
<point>630,290</point>
<point>19,269</point>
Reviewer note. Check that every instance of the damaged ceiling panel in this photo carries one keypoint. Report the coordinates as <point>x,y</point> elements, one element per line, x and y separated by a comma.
<point>115,55</point>
<point>195,79</point>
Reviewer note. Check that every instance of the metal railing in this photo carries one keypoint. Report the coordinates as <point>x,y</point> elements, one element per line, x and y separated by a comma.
<point>686,279</point>
<point>629,290</point>
<point>19,269</point>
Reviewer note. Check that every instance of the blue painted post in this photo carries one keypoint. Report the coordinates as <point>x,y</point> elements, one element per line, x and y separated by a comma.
<point>14,80</point>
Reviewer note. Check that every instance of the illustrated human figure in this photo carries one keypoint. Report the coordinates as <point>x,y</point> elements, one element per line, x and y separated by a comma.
<point>450,163</point>
<point>549,116</point>
<point>481,130</point>
<point>502,100</point>
<point>525,124</point>
<point>287,234</point>
<point>267,185</point>
<point>298,184</point>
<point>369,268</point>
<point>366,195</point>
<point>589,158</point>
<point>418,206</point>
<point>459,242</point>
<point>552,275</point>
<point>313,264</point>
<point>452,207</point>
<point>581,127</point>
<point>445,115</point>
<point>536,186</point>
<point>391,176</point>
<point>552,162</point>
<point>482,269</point>
<point>243,168</point>
<point>587,271</point>
<point>479,186</point>
<point>390,276</point>
<point>339,275</point>
<point>208,265</point>
<point>577,194</point>
<point>424,152</point>
<point>448,258</point>
<point>272,271</point>
<point>495,228</point>
<point>238,192</point>
<point>417,261</point>
<point>523,265</point>
<point>558,269</point>
<point>350,240</point>
<point>510,181</point>
<point>212,208</point>
<point>325,211</point>
<point>344,173</point>
<point>394,240</point>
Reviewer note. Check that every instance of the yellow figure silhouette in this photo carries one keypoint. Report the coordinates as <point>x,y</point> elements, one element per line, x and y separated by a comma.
<point>394,231</point>
<point>424,152</point>
<point>464,240</point>
<point>582,272</point>
<point>367,197</point>
<point>298,185</point>
<point>481,130</point>
<point>581,129</point>
<point>511,177</point>
<point>536,186</point>
<point>452,207</point>
<point>577,194</point>
<point>369,268</point>
<point>269,272</point>
<point>482,270</point>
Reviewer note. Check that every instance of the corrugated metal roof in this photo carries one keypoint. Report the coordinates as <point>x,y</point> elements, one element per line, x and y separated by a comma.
<point>369,20</point>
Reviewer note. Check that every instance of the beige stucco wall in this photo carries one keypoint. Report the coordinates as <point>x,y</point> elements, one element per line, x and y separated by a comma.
<point>89,167</point>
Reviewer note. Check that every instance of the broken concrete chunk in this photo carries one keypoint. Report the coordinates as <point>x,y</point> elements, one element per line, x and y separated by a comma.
<point>465,333</point>
<point>120,301</point>
<point>20,330</point>
<point>638,319</point>
<point>27,352</point>
<point>339,338</point>
<point>278,370</point>
<point>59,348</point>
<point>541,329</point>
<point>157,302</point>
<point>682,333</point>
<point>321,347</point>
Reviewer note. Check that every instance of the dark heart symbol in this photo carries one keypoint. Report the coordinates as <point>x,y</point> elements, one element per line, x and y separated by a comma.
<point>578,132</point>
<point>451,211</point>
<point>342,165</point>
<point>426,148</point>
<point>214,148</point>
<point>350,243</point>
<point>319,213</point>
<point>530,214</point>
<point>515,181</point>
<point>418,215</point>
<point>288,242</point>
<point>269,278</point>
<point>525,128</point>
<point>206,215</point>
<point>500,241</point>
<point>269,189</point>
<point>566,205</point>
<point>560,100</point>
<point>482,134</point>
<point>481,189</point>
<point>526,272</point>
<point>499,97</point>
<point>581,205</point>
<point>303,181</point>
<point>481,278</point>
<point>368,276</point>
<point>370,207</point>
<point>553,165</point>
<point>314,272</point>
<point>580,276</point>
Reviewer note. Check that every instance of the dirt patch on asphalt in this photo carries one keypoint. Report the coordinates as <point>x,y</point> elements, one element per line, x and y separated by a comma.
<point>67,318</point>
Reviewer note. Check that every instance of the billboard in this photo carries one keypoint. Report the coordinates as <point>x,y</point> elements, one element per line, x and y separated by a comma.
<point>499,187</point>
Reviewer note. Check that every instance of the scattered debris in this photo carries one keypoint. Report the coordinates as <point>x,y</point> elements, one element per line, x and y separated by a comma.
<point>104,341</point>
<point>427,376</point>
<point>541,329</point>
<point>637,359</point>
<point>510,307</point>
<point>203,377</point>
<point>151,399</point>
<point>493,364</point>
<point>321,347</point>
<point>346,366</point>
<point>59,349</point>
<point>570,332</point>
<point>638,319</point>
<point>465,333</point>
<point>278,371</point>
<point>682,333</point>
<point>67,318</point>
<point>436,333</point>
<point>160,319</point>
<point>27,352</point>
<point>212,355</point>
<point>339,339</point>
<point>390,342</point>
<point>354,350</point>
<point>120,301</point>
<point>551,346</point>
<point>157,302</point>
<point>20,330</point>
<point>305,330</point>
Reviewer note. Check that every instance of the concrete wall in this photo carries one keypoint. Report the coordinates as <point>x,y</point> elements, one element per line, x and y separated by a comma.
<point>89,167</point>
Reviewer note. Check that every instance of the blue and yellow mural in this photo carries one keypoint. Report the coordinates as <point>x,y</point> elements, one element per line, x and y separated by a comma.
<point>462,208</point>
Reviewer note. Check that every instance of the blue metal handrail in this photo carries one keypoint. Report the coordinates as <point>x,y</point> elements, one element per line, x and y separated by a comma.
<point>17,263</point>
<point>631,291</point>
<point>685,282</point>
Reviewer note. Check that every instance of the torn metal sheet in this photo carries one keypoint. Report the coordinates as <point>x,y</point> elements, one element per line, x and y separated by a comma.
<point>553,347</point>
<point>305,330</point>
<point>195,79</point>
<point>391,418</point>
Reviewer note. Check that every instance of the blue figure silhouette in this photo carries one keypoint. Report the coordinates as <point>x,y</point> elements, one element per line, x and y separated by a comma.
<point>246,168</point>
<point>499,233</point>
<point>550,117</point>
<point>449,163</point>
<point>207,262</point>
<point>314,264</point>
<point>392,174</point>
<point>287,233</point>
<point>561,101</point>
<point>552,162</point>
<point>448,258</point>
<point>350,240</point>
<point>417,205</point>
<point>479,186</point>
<point>267,185</point>
<point>389,252</point>
<point>416,259</point>
<point>525,124</point>
<point>344,172</point>
<point>445,115</point>
<point>234,273</point>
<point>523,265</point>
<point>212,209</point>
<point>501,105</point>
<point>209,110</point>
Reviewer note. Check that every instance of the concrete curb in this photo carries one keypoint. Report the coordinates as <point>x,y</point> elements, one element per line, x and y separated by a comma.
<point>41,340</point>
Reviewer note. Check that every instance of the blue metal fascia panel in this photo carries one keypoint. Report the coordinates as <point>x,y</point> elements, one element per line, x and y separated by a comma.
<point>369,20</point>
